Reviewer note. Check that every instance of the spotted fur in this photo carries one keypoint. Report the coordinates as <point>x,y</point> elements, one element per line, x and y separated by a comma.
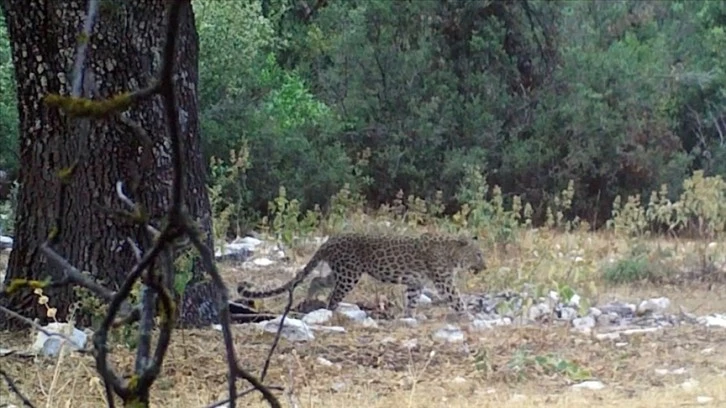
<point>393,259</point>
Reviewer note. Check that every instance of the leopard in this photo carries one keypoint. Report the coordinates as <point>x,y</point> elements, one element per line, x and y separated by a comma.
<point>389,258</point>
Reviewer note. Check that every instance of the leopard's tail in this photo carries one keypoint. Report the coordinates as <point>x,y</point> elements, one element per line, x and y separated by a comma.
<point>291,284</point>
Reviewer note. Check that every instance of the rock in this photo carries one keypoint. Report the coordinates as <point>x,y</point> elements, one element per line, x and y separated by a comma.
<point>410,344</point>
<point>338,386</point>
<point>342,307</point>
<point>665,371</point>
<point>574,301</point>
<point>6,242</point>
<point>607,319</point>
<point>247,242</point>
<point>594,312</point>
<point>589,385</point>
<point>584,324</point>
<point>619,309</point>
<point>449,334</point>
<point>292,329</point>
<point>370,323</point>
<point>332,329</point>
<point>655,305</point>
<point>424,300</point>
<point>319,316</point>
<point>409,321</point>
<point>263,261</point>
<point>717,320</point>
<point>479,325</point>
<point>324,362</point>
<point>689,384</point>
<point>538,311</point>
<point>702,399</point>
<point>567,314</point>
<point>51,345</point>
<point>608,336</point>
<point>355,315</point>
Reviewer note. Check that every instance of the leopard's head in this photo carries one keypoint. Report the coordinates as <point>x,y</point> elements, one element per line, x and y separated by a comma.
<point>468,254</point>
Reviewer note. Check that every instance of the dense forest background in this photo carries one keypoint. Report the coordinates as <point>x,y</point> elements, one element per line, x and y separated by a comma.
<point>617,97</point>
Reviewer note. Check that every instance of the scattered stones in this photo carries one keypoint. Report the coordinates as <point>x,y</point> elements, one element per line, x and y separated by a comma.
<point>613,321</point>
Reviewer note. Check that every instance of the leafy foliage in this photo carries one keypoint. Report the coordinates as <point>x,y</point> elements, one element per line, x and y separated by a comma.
<point>425,102</point>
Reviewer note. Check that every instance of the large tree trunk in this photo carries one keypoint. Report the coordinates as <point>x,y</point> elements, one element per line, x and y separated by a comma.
<point>124,54</point>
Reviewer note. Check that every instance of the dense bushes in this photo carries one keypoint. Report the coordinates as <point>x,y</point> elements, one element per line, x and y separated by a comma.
<point>618,98</point>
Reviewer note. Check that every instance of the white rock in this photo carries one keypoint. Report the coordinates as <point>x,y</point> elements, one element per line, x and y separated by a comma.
<point>51,345</point>
<point>319,316</point>
<point>630,332</point>
<point>325,362</point>
<point>342,306</point>
<point>665,371</point>
<point>369,322</point>
<point>424,300</point>
<point>410,343</point>
<point>292,329</point>
<point>246,242</point>
<point>689,384</point>
<point>594,312</point>
<point>717,320</point>
<point>331,329</point>
<point>538,311</point>
<point>480,324</point>
<point>589,385</point>
<point>608,336</point>
<point>655,305</point>
<point>263,261</point>
<point>518,397</point>
<point>584,324</point>
<point>568,313</point>
<point>338,386</point>
<point>409,321</point>
<point>574,300</point>
<point>6,242</point>
<point>702,399</point>
<point>353,314</point>
<point>458,380</point>
<point>449,334</point>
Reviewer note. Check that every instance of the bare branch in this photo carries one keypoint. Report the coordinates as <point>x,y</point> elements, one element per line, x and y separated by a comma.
<point>38,327</point>
<point>14,389</point>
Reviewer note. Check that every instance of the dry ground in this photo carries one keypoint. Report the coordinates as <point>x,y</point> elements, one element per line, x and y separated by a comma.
<point>374,367</point>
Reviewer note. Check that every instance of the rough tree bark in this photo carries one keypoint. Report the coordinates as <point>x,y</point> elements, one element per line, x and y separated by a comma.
<point>124,53</point>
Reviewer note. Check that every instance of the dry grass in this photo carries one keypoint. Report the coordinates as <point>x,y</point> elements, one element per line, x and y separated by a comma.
<point>376,368</point>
